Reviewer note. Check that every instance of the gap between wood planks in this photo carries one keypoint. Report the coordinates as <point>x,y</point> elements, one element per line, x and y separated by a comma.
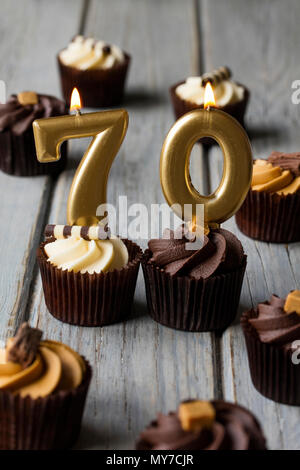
<point>32,272</point>
<point>200,67</point>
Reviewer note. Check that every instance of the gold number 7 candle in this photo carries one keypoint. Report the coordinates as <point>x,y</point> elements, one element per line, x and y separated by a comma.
<point>199,290</point>
<point>88,274</point>
<point>108,129</point>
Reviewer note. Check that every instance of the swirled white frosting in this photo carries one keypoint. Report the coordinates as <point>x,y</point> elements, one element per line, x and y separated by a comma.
<point>79,255</point>
<point>226,91</point>
<point>87,54</point>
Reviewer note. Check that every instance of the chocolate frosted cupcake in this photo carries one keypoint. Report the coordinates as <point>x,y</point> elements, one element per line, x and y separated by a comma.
<point>271,210</point>
<point>204,425</point>
<point>231,97</point>
<point>194,290</point>
<point>43,388</point>
<point>88,276</point>
<point>17,148</point>
<point>272,333</point>
<point>97,69</point>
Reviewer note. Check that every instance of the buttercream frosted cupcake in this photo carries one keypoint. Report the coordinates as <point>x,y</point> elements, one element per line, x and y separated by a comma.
<point>231,97</point>
<point>88,276</point>
<point>96,68</point>
<point>43,388</point>
<point>271,210</point>
<point>272,333</point>
<point>194,290</point>
<point>17,148</point>
<point>204,425</point>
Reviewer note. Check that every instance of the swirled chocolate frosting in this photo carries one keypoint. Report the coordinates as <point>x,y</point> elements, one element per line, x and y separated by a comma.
<point>273,325</point>
<point>221,252</point>
<point>234,428</point>
<point>18,118</point>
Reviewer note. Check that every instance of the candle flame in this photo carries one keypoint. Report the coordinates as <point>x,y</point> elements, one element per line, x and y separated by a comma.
<point>209,97</point>
<point>75,100</point>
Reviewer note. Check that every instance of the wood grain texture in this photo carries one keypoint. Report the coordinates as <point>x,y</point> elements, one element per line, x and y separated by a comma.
<point>31,34</point>
<point>139,367</point>
<point>257,50</point>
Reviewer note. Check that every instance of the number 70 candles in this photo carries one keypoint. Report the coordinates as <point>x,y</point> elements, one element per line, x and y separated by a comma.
<point>108,129</point>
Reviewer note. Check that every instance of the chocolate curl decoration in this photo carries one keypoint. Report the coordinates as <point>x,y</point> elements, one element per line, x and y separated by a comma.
<point>94,232</point>
<point>24,346</point>
<point>222,73</point>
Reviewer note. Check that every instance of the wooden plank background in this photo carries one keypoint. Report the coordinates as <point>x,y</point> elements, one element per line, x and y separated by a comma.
<point>139,366</point>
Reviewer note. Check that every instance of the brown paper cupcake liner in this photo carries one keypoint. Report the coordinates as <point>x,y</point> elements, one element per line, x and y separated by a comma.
<point>272,371</point>
<point>97,88</point>
<point>270,217</point>
<point>188,304</point>
<point>51,422</point>
<point>18,156</point>
<point>181,107</point>
<point>90,299</point>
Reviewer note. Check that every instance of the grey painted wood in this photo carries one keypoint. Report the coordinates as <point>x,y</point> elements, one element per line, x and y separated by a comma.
<point>258,55</point>
<point>31,34</point>
<point>139,367</point>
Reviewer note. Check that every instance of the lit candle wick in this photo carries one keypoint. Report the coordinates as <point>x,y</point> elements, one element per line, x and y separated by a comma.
<point>75,102</point>
<point>209,99</point>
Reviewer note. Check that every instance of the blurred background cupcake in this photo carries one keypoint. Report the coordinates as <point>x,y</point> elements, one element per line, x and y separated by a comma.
<point>96,68</point>
<point>272,332</point>
<point>43,388</point>
<point>231,97</point>
<point>271,210</point>
<point>17,147</point>
<point>204,425</point>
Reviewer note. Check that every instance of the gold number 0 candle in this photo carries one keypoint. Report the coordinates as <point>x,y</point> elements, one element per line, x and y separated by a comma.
<point>88,190</point>
<point>237,171</point>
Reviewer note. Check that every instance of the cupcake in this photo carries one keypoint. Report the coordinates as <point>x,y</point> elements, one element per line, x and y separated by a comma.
<point>96,68</point>
<point>231,97</point>
<point>17,148</point>
<point>43,388</point>
<point>194,290</point>
<point>88,276</point>
<point>204,425</point>
<point>271,210</point>
<point>272,333</point>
